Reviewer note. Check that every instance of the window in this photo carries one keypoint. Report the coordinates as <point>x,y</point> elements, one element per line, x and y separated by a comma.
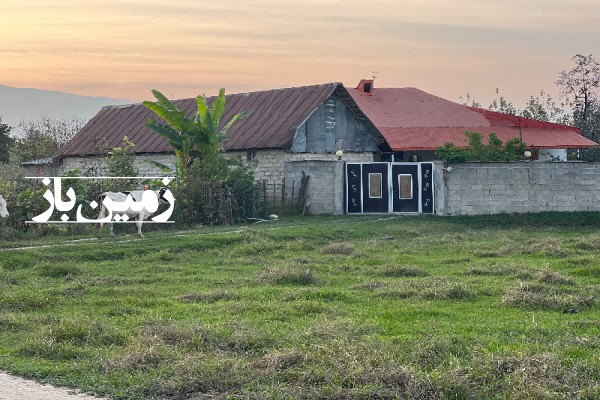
<point>367,87</point>
<point>405,186</point>
<point>375,182</point>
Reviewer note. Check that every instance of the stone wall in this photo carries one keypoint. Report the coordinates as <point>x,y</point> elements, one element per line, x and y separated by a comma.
<point>325,185</point>
<point>519,187</point>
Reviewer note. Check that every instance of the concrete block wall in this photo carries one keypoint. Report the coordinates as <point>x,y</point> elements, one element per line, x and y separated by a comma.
<point>270,163</point>
<point>518,187</point>
<point>98,164</point>
<point>325,185</point>
<point>271,167</point>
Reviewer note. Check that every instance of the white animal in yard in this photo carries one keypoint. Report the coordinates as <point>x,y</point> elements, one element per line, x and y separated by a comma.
<point>3,209</point>
<point>135,204</point>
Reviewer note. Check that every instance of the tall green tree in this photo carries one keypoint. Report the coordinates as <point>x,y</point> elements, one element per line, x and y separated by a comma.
<point>5,142</point>
<point>191,138</point>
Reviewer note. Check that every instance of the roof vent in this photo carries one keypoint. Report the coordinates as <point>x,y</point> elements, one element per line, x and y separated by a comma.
<point>366,87</point>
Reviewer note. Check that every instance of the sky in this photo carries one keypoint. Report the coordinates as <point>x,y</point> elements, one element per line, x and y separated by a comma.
<point>125,48</point>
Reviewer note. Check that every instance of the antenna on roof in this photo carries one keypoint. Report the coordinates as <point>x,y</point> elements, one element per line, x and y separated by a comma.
<point>374,75</point>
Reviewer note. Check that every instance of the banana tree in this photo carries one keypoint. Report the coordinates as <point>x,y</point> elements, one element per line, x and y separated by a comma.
<point>191,138</point>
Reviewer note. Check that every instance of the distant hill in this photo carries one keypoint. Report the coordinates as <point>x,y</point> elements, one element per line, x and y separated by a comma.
<point>24,104</point>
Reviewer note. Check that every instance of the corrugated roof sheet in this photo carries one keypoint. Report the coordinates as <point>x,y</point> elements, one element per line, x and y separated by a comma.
<point>411,119</point>
<point>412,108</point>
<point>274,117</point>
<point>430,138</point>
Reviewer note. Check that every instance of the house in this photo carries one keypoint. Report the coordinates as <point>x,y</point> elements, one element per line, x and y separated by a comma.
<point>388,137</point>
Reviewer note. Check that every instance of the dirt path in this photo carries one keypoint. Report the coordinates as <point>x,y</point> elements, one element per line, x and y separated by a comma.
<point>15,388</point>
<point>134,238</point>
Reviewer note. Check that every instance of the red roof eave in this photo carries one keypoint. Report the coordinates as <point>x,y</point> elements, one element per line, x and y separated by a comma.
<point>464,147</point>
<point>428,139</point>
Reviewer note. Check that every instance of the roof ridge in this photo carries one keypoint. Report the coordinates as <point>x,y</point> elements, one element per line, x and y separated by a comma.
<point>485,112</point>
<point>283,88</point>
<point>121,106</point>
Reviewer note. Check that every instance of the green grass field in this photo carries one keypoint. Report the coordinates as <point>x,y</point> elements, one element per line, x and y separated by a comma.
<point>361,307</point>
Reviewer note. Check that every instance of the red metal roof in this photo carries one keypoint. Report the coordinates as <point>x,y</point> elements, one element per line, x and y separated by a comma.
<point>274,117</point>
<point>411,119</point>
<point>431,138</point>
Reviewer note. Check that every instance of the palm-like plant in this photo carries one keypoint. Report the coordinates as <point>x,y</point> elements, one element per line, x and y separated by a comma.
<point>198,137</point>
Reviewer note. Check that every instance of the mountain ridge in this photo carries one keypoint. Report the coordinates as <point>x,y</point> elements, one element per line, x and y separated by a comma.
<point>30,104</point>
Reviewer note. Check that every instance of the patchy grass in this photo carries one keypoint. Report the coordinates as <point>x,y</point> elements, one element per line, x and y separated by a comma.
<point>550,277</point>
<point>545,297</point>
<point>208,297</point>
<point>287,276</point>
<point>490,307</point>
<point>399,271</point>
<point>338,248</point>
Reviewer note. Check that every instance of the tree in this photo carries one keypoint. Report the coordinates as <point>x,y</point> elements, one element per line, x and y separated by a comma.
<point>543,108</point>
<point>468,101</point>
<point>580,86</point>
<point>196,138</point>
<point>5,142</point>
<point>43,138</point>
<point>502,105</point>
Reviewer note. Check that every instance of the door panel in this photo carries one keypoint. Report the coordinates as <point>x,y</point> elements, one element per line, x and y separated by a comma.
<point>405,188</point>
<point>375,188</point>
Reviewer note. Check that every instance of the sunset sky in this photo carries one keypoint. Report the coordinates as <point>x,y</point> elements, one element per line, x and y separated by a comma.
<point>125,48</point>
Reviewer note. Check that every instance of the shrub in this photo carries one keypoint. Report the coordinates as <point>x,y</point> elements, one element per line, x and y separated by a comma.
<point>476,150</point>
<point>120,162</point>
